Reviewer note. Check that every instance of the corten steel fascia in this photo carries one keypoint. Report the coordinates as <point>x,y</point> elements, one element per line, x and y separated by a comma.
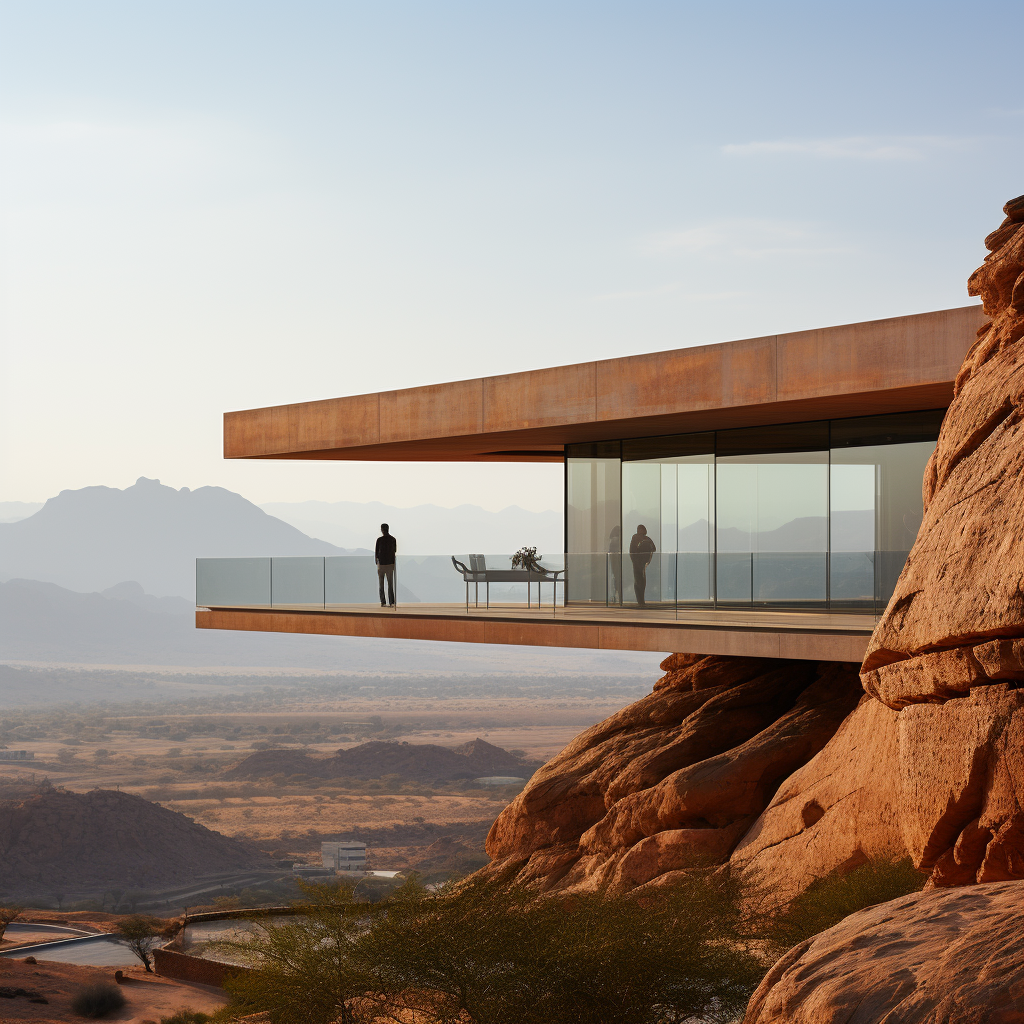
<point>899,364</point>
<point>755,643</point>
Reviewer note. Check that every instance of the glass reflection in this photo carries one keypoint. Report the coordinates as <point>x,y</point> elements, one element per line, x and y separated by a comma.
<point>773,528</point>
<point>876,509</point>
<point>594,525</point>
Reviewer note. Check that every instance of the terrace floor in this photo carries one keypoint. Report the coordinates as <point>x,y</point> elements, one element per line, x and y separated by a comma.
<point>759,632</point>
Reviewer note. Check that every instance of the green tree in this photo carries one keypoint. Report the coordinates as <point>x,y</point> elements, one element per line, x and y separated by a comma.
<point>307,971</point>
<point>140,934</point>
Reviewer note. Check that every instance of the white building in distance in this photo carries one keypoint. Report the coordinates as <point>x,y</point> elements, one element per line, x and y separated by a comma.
<point>344,856</point>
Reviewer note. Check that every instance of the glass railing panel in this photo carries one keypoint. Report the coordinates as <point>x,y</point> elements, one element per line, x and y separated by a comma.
<point>593,577</point>
<point>429,579</point>
<point>233,582</point>
<point>695,577</point>
<point>734,572</point>
<point>297,582</point>
<point>852,580</point>
<point>352,579</point>
<point>789,577</point>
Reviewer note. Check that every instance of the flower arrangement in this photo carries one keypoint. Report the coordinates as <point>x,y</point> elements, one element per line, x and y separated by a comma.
<point>525,558</point>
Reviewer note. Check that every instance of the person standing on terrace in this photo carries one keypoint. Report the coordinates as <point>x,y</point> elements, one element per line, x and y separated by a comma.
<point>384,556</point>
<point>641,551</point>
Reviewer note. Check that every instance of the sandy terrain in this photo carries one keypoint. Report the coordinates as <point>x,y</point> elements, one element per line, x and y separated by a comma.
<point>148,997</point>
<point>176,755</point>
<point>266,819</point>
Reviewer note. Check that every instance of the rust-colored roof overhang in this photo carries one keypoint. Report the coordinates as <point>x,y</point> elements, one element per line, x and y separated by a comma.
<point>894,365</point>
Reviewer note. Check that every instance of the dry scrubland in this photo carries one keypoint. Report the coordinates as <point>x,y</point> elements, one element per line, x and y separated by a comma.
<point>176,752</point>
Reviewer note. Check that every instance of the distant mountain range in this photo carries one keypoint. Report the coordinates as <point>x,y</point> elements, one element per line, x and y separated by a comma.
<point>851,531</point>
<point>420,762</point>
<point>92,539</point>
<point>96,537</point>
<point>12,511</point>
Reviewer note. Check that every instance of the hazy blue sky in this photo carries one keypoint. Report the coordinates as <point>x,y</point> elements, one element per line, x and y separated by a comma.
<point>210,206</point>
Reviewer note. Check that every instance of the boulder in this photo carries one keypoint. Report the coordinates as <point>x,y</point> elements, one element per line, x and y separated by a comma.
<point>674,779</point>
<point>952,956</point>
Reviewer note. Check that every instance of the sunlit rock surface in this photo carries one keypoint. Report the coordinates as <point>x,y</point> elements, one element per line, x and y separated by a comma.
<point>951,956</point>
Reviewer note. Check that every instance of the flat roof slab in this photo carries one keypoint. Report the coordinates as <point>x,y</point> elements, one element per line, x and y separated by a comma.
<point>894,365</point>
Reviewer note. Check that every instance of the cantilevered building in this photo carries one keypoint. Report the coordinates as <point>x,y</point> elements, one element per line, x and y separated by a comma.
<point>778,478</point>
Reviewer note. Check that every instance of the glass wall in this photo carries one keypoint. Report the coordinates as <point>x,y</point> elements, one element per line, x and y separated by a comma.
<point>668,510</point>
<point>772,536</point>
<point>876,505</point>
<point>806,515</point>
<point>593,512</point>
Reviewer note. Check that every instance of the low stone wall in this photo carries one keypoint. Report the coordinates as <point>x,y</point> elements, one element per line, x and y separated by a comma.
<point>184,967</point>
<point>172,963</point>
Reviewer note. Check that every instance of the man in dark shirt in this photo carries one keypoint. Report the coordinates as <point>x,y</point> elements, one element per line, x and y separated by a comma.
<point>641,551</point>
<point>384,556</point>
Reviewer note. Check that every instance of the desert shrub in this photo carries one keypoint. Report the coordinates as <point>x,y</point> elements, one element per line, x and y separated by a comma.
<point>487,952</point>
<point>97,1000</point>
<point>826,901</point>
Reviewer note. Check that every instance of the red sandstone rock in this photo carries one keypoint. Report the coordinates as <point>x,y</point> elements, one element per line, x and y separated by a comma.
<point>941,783</point>
<point>839,810</point>
<point>962,583</point>
<point>930,765</point>
<point>946,957</point>
<point>675,778</point>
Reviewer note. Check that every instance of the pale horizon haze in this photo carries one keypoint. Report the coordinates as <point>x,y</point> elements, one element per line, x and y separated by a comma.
<point>221,205</point>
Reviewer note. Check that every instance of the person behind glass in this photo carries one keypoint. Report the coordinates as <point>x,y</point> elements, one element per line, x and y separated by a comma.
<point>641,551</point>
<point>615,560</point>
<point>384,556</point>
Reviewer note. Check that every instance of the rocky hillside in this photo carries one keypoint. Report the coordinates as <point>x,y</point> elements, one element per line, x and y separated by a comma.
<point>418,762</point>
<point>788,771</point>
<point>58,840</point>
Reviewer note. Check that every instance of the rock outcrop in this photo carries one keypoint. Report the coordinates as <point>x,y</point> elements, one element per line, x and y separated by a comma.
<point>939,957</point>
<point>789,770</point>
<point>933,762</point>
<point>59,840</point>
<point>677,777</point>
<point>961,593</point>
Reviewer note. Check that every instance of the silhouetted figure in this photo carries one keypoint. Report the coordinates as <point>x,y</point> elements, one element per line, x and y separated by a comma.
<point>641,551</point>
<point>384,556</point>
<point>615,558</point>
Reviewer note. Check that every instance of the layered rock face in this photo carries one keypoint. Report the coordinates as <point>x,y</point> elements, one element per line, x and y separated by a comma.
<point>941,783</point>
<point>946,957</point>
<point>677,777</point>
<point>933,762</point>
<point>962,586</point>
<point>790,770</point>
